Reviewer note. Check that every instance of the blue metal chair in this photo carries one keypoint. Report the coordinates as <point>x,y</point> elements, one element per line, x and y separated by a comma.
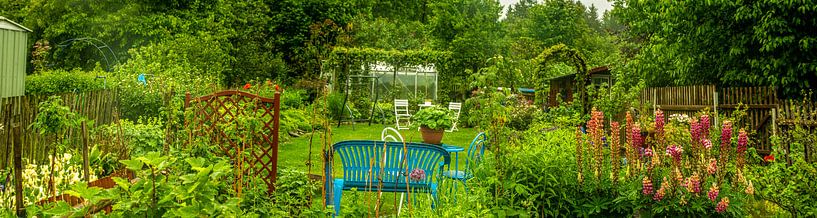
<point>475,152</point>
<point>382,166</point>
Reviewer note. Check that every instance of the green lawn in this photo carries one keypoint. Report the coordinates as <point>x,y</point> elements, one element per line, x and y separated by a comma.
<point>294,153</point>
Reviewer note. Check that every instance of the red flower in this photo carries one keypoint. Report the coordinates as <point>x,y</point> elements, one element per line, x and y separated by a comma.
<point>277,88</point>
<point>247,86</point>
<point>768,158</point>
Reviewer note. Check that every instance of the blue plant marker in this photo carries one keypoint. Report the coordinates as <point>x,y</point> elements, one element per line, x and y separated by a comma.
<point>141,79</point>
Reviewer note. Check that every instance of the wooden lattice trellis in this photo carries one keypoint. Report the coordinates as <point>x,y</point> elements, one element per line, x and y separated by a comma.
<point>211,113</point>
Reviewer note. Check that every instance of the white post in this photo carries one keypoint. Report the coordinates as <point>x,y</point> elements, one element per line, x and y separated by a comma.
<point>715,106</point>
<point>654,100</point>
<point>774,122</point>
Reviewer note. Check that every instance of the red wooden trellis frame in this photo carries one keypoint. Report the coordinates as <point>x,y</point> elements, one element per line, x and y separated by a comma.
<point>212,110</point>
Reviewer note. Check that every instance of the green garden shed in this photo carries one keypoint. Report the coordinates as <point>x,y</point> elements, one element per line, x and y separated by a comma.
<point>13,53</point>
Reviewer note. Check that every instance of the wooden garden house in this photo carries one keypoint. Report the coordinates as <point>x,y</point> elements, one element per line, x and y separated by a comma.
<point>566,86</point>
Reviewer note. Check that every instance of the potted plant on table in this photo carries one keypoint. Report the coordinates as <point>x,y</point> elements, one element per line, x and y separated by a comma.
<point>433,121</point>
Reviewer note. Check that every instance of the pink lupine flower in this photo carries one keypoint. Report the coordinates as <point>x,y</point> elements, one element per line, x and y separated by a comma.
<point>417,175</point>
<point>722,205</point>
<point>726,135</point>
<point>675,151</point>
<point>743,141</point>
<point>713,192</point>
<point>635,133</point>
<point>707,144</point>
<point>705,124</point>
<point>695,131</point>
<point>646,186</point>
<point>713,166</point>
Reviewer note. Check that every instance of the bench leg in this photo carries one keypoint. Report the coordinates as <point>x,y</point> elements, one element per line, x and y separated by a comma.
<point>400,206</point>
<point>337,192</point>
<point>434,197</point>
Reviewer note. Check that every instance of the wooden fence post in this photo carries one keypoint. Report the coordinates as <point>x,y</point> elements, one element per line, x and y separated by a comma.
<point>18,171</point>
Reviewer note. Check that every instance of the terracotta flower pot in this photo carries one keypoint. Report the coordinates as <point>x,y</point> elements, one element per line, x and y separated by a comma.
<point>432,136</point>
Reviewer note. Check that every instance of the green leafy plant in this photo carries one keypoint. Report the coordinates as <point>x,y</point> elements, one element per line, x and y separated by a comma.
<point>434,117</point>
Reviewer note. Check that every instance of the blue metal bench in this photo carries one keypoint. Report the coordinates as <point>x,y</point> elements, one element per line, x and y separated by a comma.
<point>363,169</point>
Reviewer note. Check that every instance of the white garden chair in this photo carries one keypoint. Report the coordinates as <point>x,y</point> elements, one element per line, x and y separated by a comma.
<point>391,134</point>
<point>456,107</point>
<point>401,112</point>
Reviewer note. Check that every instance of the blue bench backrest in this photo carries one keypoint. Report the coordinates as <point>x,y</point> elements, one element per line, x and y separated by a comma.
<point>356,158</point>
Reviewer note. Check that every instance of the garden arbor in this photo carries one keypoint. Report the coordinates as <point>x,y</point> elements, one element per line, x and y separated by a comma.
<point>561,53</point>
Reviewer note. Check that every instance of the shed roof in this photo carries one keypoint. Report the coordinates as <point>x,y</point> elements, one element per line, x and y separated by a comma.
<point>600,70</point>
<point>7,24</point>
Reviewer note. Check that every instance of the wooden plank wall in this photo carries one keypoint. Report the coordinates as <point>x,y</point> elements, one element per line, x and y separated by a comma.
<point>98,106</point>
<point>690,100</point>
<point>802,113</point>
<point>758,120</point>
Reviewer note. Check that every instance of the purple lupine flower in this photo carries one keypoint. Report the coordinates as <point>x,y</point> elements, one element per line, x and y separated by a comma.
<point>675,151</point>
<point>743,140</point>
<point>705,123</point>
<point>647,152</point>
<point>713,192</point>
<point>726,135</point>
<point>636,136</point>
<point>695,131</point>
<point>707,144</point>
<point>417,175</point>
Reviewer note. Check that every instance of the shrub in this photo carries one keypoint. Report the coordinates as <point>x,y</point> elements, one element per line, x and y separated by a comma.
<point>434,117</point>
<point>789,179</point>
<point>61,81</point>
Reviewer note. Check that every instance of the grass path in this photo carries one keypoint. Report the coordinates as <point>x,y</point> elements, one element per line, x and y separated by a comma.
<point>294,153</point>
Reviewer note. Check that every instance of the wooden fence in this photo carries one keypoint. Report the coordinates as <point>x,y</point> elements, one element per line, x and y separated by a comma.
<point>98,106</point>
<point>801,113</point>
<point>761,105</point>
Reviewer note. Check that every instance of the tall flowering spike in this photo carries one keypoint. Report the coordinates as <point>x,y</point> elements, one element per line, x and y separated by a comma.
<point>705,124</point>
<point>615,150</point>
<point>630,149</point>
<point>695,131</point>
<point>646,186</point>
<point>694,183</point>
<point>579,145</point>
<point>726,145</point>
<point>741,178</point>
<point>750,189</point>
<point>659,126</point>
<point>722,205</point>
<point>726,135</point>
<point>743,141</point>
<point>713,166</point>
<point>679,177</point>
<point>596,126</point>
<point>656,161</point>
<point>636,137</point>
<point>675,152</point>
<point>707,144</point>
<point>661,191</point>
<point>713,192</point>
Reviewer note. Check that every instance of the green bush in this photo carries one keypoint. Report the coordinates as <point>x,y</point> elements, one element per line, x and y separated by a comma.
<point>791,186</point>
<point>61,81</point>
